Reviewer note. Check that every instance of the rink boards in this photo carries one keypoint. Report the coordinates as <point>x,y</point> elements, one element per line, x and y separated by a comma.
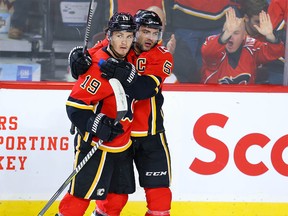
<point>228,147</point>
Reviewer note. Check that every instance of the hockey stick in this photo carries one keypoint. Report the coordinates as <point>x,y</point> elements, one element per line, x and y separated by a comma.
<point>121,104</point>
<point>92,7</point>
<point>91,10</point>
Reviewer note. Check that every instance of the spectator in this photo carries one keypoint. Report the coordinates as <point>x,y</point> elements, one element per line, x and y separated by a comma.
<point>272,72</point>
<point>251,10</point>
<point>192,21</point>
<point>278,10</point>
<point>232,57</point>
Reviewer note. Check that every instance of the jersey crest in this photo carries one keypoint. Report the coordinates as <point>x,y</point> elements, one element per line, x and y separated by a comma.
<point>240,79</point>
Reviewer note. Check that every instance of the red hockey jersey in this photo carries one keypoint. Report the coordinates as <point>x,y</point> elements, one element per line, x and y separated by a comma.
<point>148,116</point>
<point>93,94</point>
<point>217,69</point>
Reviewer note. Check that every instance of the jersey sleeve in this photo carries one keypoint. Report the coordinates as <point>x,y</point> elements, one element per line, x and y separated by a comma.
<point>212,52</point>
<point>98,46</point>
<point>145,87</point>
<point>266,52</point>
<point>278,13</point>
<point>160,63</point>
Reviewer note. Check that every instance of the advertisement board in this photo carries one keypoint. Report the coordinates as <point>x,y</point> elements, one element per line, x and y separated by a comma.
<point>226,146</point>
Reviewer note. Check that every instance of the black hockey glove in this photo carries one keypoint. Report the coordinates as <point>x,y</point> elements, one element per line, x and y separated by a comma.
<point>79,63</point>
<point>121,70</point>
<point>103,127</point>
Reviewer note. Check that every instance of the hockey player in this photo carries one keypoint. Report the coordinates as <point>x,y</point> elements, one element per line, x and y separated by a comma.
<point>151,153</point>
<point>91,107</point>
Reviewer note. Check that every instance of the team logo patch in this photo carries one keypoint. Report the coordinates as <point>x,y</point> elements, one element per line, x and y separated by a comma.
<point>240,79</point>
<point>100,192</point>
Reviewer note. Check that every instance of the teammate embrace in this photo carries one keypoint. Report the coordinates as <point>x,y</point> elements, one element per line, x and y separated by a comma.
<point>141,67</point>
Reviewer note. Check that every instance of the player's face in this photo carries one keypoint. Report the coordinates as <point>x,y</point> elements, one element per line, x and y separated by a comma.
<point>250,22</point>
<point>236,39</point>
<point>122,42</point>
<point>147,38</point>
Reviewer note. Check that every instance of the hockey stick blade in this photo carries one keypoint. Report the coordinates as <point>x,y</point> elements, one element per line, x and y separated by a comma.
<point>122,107</point>
<point>121,99</point>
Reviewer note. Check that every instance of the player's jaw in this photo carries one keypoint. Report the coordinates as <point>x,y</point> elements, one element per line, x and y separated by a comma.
<point>148,44</point>
<point>145,45</point>
<point>122,50</point>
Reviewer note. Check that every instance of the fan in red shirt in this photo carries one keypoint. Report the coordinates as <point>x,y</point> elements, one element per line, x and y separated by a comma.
<point>272,72</point>
<point>232,57</point>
